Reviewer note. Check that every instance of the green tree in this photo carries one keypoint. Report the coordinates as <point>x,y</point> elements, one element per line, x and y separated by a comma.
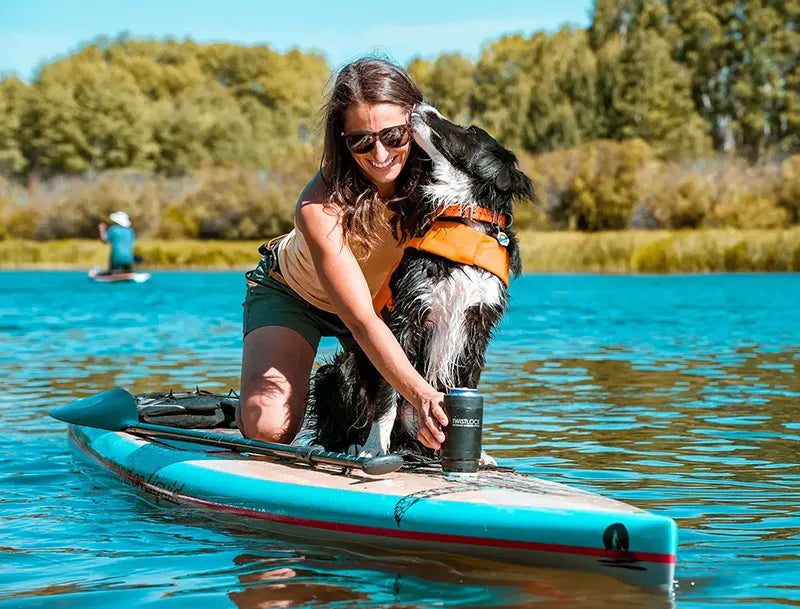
<point>420,71</point>
<point>742,54</point>
<point>86,116</point>
<point>705,49</point>
<point>14,97</point>
<point>162,70</point>
<point>612,18</point>
<point>563,103</point>
<point>787,40</point>
<point>503,88</point>
<point>540,93</point>
<point>448,84</point>
<point>650,97</point>
<point>203,126</point>
<point>280,94</point>
<point>767,53</point>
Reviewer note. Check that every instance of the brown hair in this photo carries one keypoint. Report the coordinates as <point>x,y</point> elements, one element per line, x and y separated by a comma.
<point>371,81</point>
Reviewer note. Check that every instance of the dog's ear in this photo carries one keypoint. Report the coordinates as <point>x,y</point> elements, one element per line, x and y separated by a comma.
<point>512,181</point>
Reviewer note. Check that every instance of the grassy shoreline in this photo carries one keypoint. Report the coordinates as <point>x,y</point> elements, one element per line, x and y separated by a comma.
<point>691,251</point>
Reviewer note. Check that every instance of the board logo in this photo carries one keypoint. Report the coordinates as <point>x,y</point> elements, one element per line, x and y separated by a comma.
<point>617,539</point>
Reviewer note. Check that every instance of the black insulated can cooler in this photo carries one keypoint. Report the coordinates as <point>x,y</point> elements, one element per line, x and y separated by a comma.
<point>461,449</point>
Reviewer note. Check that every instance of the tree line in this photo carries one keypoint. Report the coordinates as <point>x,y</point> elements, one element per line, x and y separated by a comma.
<point>687,76</point>
<point>167,107</point>
<point>676,91</point>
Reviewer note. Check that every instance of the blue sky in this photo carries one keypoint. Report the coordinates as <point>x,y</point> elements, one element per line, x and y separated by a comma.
<point>33,32</point>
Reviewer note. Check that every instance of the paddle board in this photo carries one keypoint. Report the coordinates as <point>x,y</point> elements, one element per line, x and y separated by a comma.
<point>499,515</point>
<point>96,274</point>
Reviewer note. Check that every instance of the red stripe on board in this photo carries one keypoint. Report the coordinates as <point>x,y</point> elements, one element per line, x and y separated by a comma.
<point>359,529</point>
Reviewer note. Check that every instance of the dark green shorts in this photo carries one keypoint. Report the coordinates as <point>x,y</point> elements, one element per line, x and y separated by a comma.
<point>272,303</point>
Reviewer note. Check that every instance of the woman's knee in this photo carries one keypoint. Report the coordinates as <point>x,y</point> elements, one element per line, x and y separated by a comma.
<point>269,416</point>
<point>276,365</point>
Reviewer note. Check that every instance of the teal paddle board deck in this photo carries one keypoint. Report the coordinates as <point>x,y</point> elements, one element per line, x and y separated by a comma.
<point>497,515</point>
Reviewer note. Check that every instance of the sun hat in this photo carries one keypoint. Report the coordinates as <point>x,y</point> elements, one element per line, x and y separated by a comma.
<point>121,218</point>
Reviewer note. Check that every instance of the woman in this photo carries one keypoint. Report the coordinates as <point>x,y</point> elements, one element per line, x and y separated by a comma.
<point>320,279</point>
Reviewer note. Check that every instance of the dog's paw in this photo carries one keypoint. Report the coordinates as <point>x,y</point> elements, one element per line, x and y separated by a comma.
<point>371,450</point>
<point>354,450</point>
<point>305,437</point>
<point>366,453</point>
<point>487,460</point>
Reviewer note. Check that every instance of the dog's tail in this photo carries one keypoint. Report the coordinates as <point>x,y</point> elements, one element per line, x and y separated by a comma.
<point>341,401</point>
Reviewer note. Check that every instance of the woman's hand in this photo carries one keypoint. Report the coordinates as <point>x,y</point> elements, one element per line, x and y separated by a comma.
<point>431,418</point>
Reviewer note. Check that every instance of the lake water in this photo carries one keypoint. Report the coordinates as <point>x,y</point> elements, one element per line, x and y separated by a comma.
<point>677,394</point>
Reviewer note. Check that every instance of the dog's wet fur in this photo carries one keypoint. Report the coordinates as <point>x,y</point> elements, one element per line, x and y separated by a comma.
<point>444,313</point>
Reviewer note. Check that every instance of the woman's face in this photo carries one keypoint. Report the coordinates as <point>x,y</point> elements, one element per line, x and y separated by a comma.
<point>381,164</point>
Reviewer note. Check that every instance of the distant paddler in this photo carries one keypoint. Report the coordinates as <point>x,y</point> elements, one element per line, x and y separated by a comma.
<point>121,238</point>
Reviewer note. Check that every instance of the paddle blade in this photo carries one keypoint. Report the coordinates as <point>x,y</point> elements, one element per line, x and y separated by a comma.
<point>113,410</point>
<point>385,464</point>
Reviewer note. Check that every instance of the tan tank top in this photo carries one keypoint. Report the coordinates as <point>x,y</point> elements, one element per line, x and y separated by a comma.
<point>297,268</point>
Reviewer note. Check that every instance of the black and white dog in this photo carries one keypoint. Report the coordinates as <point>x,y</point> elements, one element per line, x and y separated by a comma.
<point>449,291</point>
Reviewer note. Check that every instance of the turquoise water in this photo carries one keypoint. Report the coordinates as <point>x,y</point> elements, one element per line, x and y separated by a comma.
<point>677,394</point>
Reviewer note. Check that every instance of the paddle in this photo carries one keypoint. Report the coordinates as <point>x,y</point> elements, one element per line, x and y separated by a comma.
<point>115,410</point>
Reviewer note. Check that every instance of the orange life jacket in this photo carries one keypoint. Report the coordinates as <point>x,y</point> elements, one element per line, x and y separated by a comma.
<point>457,242</point>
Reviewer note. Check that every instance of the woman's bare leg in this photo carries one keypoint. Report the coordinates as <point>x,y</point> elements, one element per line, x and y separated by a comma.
<point>276,366</point>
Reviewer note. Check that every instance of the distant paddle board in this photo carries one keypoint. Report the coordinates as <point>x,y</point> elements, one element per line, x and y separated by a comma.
<point>96,274</point>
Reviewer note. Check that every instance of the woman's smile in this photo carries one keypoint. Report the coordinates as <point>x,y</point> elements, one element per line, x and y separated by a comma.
<point>381,165</point>
<point>386,165</point>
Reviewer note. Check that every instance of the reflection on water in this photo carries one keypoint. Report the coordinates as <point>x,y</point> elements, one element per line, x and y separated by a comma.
<point>423,582</point>
<point>677,394</point>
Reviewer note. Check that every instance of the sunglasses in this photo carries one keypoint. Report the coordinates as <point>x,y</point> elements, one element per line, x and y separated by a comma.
<point>362,142</point>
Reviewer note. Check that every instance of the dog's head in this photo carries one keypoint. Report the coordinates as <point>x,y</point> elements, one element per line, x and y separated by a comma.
<point>469,166</point>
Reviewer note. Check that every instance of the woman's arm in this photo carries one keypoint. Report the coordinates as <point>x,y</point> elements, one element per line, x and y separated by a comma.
<point>344,283</point>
